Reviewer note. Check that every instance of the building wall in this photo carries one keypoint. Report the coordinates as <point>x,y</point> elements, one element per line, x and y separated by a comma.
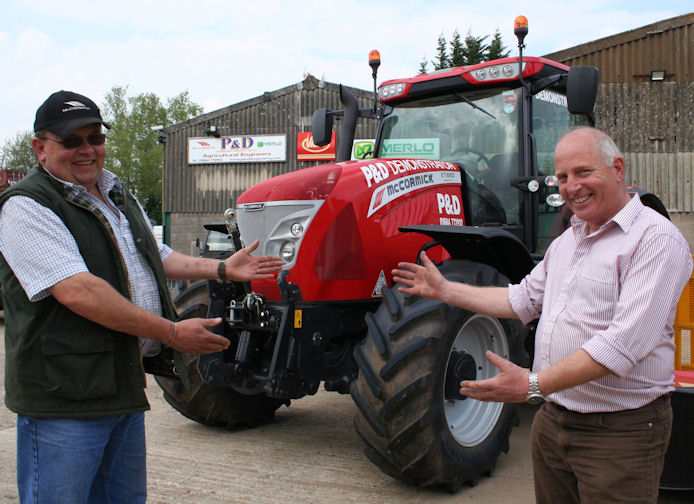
<point>195,194</point>
<point>653,124</point>
<point>651,121</point>
<point>188,228</point>
<point>685,223</point>
<point>631,56</point>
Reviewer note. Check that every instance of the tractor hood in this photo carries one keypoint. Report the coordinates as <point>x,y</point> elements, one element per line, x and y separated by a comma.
<point>336,226</point>
<point>397,177</point>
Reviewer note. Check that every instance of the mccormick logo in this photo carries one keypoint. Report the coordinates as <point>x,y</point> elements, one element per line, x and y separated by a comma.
<point>403,186</point>
<point>378,197</point>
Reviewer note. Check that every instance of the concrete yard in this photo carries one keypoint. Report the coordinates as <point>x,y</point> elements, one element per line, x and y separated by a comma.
<point>310,454</point>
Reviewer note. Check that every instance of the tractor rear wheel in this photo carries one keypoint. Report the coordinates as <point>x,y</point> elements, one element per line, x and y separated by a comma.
<point>205,403</point>
<point>413,421</point>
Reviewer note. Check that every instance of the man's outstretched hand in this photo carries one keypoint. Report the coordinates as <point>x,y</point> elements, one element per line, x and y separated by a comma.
<point>510,385</point>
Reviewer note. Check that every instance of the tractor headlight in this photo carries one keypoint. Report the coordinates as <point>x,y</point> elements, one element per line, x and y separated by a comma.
<point>493,72</point>
<point>555,200</point>
<point>281,226</point>
<point>297,229</point>
<point>391,90</point>
<point>551,181</point>
<point>287,251</point>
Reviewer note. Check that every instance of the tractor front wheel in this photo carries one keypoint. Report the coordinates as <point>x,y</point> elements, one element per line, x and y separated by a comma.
<point>414,423</point>
<point>205,403</point>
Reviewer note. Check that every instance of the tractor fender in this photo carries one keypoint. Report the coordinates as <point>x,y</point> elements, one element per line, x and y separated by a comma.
<point>493,246</point>
<point>650,200</point>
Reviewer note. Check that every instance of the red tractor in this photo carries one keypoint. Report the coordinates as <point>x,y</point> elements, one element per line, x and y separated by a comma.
<point>463,166</point>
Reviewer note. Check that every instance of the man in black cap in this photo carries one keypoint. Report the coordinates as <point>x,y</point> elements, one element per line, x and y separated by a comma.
<point>83,278</point>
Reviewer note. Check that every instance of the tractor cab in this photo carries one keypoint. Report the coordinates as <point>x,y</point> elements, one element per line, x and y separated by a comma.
<point>499,130</point>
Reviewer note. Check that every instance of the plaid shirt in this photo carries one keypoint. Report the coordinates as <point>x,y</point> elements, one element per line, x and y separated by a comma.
<point>26,225</point>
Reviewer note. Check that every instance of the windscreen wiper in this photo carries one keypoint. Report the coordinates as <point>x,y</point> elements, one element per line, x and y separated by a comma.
<point>473,105</point>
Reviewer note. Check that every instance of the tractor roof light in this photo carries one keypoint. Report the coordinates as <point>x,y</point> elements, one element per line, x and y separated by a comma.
<point>390,91</point>
<point>374,59</point>
<point>520,28</point>
<point>500,71</point>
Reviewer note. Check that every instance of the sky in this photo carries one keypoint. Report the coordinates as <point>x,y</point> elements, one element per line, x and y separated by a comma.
<point>224,51</point>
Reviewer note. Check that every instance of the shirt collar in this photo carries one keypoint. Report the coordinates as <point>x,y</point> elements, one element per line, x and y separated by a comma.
<point>624,218</point>
<point>107,181</point>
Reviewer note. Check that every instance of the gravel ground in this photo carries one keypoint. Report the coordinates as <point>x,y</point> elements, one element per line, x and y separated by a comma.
<point>310,454</point>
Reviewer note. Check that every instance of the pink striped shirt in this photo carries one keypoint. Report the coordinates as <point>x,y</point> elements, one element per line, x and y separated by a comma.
<point>613,293</point>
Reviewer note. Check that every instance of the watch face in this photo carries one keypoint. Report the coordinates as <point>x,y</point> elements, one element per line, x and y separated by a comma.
<point>535,400</point>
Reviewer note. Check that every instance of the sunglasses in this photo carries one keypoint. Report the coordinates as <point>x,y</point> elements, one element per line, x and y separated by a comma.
<point>74,141</point>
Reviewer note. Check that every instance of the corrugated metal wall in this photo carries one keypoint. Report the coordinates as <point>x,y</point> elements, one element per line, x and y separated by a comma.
<point>212,188</point>
<point>653,124</point>
<point>631,56</point>
<point>651,121</point>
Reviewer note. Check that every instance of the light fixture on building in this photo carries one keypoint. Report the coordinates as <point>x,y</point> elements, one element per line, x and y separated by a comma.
<point>161,137</point>
<point>657,75</point>
<point>212,130</point>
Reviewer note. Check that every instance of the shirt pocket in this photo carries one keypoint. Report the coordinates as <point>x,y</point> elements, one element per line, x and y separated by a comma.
<point>595,294</point>
<point>79,365</point>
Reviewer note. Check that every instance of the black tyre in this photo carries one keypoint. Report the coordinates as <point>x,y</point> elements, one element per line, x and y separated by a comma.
<point>205,403</point>
<point>413,421</point>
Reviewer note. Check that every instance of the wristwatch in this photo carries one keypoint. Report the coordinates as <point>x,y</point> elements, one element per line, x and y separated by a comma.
<point>534,395</point>
<point>222,270</point>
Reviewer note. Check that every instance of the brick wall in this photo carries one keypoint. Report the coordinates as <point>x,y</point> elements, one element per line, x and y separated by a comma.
<point>187,227</point>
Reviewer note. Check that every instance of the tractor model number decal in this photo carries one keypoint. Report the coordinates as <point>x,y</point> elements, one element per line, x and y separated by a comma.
<point>404,185</point>
<point>375,173</point>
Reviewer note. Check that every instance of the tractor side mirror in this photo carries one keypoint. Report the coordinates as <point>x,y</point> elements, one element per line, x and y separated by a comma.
<point>582,89</point>
<point>322,127</point>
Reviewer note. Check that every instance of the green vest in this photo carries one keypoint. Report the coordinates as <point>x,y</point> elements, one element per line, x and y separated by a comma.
<point>57,363</point>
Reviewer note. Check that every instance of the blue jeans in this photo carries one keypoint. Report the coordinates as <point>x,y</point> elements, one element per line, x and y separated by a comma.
<point>74,461</point>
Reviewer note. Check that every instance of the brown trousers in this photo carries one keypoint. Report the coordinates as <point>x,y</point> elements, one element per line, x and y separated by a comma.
<point>600,457</point>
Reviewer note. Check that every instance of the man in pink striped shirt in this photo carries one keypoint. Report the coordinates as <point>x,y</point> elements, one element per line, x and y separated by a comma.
<point>606,293</point>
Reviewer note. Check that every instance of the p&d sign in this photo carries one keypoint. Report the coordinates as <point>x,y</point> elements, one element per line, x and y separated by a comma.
<point>241,149</point>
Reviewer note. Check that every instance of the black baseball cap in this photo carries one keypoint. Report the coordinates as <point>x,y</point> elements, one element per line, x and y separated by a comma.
<point>64,112</point>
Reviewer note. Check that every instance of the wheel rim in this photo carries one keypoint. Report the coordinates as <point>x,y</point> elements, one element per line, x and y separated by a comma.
<point>471,421</point>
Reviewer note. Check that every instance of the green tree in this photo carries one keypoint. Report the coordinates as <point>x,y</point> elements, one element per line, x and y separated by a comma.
<point>457,51</point>
<point>441,60</point>
<point>132,151</point>
<point>496,48</point>
<point>475,49</point>
<point>471,51</point>
<point>423,65</point>
<point>17,153</point>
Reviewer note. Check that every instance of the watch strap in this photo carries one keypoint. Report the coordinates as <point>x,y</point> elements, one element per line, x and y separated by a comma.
<point>534,386</point>
<point>534,396</point>
<point>222,270</point>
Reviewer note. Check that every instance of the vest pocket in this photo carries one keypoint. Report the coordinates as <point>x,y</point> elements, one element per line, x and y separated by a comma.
<point>79,365</point>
